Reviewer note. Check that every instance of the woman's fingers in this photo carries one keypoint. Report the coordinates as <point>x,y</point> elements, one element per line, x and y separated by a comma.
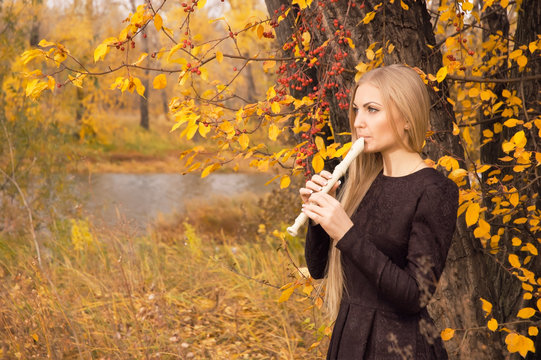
<point>325,174</point>
<point>305,194</point>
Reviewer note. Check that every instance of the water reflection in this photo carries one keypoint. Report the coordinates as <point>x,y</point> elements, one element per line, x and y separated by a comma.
<point>141,198</point>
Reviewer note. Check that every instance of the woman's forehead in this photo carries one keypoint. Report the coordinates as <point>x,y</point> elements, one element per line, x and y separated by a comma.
<point>367,93</point>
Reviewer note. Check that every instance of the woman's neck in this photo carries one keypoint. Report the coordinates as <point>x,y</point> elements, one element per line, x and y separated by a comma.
<point>401,162</point>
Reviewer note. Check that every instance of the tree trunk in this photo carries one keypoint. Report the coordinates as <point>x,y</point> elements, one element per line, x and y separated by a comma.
<point>528,26</point>
<point>34,30</point>
<point>143,100</point>
<point>470,273</point>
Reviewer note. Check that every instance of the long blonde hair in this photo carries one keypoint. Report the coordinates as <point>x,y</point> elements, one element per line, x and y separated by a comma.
<point>404,96</point>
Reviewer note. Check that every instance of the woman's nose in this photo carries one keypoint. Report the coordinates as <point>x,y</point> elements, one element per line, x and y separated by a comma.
<point>359,123</point>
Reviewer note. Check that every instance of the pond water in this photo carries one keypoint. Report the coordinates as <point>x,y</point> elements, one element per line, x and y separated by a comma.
<point>141,198</point>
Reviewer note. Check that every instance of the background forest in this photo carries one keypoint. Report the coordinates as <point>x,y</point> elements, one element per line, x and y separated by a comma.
<point>221,87</point>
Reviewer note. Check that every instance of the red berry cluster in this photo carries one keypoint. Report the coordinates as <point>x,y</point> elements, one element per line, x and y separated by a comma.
<point>331,59</point>
<point>193,69</point>
<point>187,43</point>
<point>303,153</point>
<point>188,7</point>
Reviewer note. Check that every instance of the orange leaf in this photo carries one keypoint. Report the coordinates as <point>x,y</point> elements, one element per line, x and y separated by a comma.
<point>447,334</point>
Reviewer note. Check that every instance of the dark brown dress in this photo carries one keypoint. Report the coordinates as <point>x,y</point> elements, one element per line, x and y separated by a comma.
<point>392,259</point>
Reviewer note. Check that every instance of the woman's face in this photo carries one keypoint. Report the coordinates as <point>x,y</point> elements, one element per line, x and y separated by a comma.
<point>373,123</point>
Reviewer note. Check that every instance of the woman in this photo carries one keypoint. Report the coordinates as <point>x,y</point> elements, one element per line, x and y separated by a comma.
<point>381,247</point>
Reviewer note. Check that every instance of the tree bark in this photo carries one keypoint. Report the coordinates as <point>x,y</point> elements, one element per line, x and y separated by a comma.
<point>143,100</point>
<point>528,27</point>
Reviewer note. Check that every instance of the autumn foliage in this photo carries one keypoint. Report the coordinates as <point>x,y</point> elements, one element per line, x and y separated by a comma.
<point>207,56</point>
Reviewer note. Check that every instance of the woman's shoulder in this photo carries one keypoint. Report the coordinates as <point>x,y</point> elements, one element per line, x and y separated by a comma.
<point>433,182</point>
<point>424,177</point>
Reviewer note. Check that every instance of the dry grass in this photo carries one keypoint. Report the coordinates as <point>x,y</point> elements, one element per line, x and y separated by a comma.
<point>193,288</point>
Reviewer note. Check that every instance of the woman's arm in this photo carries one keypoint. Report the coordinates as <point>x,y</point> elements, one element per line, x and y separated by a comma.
<point>316,250</point>
<point>433,225</point>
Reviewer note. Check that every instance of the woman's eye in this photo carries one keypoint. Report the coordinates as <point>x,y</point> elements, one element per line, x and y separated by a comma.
<point>372,109</point>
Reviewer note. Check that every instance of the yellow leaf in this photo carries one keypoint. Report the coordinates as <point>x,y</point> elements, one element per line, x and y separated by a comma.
<point>483,230</point>
<point>228,128</point>
<point>456,129</point>
<point>447,334</point>
<point>173,50</point>
<point>458,175</point>
<point>515,54</point>
<point>160,81</point>
<point>518,343</point>
<point>263,165</point>
<point>539,304</point>
<point>533,331</point>
<point>487,306</point>
<point>514,198</point>
<point>473,92</point>
<point>243,140</point>
<point>404,5</point>
<point>442,73</point>
<point>306,40</point>
<point>35,87</point>
<point>522,61</point>
<point>201,3</point>
<point>526,313</point>
<point>190,130</point>
<point>466,6</point>
<point>512,122</point>
<point>308,288</point>
<point>472,214</point>
<point>274,131</point>
<point>267,65</point>
<point>519,139</point>
<point>203,130</point>
<point>284,181</point>
<point>158,22</point>
<point>45,43</point>
<point>35,336</point>
<point>514,261</point>
<point>320,144</point>
<point>492,324</point>
<point>142,57</point>
<point>369,17</point>
<point>51,82</point>
<point>100,52</point>
<point>29,55</point>
<point>210,169</point>
<point>532,46</point>
<point>516,241</point>
<point>531,248</point>
<point>486,95</point>
<point>370,54</point>
<point>139,87</point>
<point>317,163</point>
<point>275,107</point>
<point>286,294</point>
<point>219,56</point>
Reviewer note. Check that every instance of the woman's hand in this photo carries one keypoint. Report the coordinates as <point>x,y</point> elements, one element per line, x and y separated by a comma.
<point>329,213</point>
<point>317,183</point>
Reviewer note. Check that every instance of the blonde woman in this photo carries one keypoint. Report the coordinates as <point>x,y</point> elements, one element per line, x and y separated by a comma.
<point>382,245</point>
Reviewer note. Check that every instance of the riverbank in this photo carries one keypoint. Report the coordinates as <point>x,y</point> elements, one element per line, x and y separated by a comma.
<point>140,163</point>
<point>207,285</point>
